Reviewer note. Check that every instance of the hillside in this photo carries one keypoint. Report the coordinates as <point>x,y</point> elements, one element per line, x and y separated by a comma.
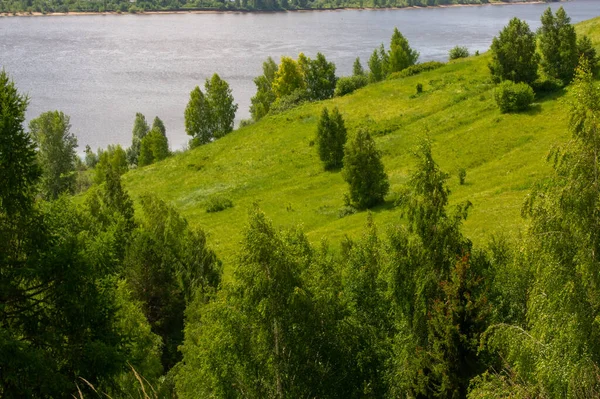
<point>273,163</point>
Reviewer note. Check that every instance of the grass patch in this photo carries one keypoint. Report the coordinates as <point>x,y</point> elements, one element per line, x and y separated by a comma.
<point>271,162</point>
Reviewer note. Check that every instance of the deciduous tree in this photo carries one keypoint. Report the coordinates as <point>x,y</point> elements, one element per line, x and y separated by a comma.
<point>264,97</point>
<point>558,45</point>
<point>514,54</point>
<point>56,152</point>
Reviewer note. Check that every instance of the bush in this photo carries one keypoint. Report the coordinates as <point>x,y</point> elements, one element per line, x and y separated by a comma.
<point>419,88</point>
<point>416,69</point>
<point>458,52</point>
<point>547,85</point>
<point>462,176</point>
<point>296,98</point>
<point>218,203</point>
<point>349,84</point>
<point>246,122</point>
<point>513,97</point>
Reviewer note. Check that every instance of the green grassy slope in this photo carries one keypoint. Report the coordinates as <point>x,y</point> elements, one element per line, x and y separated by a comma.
<point>273,163</point>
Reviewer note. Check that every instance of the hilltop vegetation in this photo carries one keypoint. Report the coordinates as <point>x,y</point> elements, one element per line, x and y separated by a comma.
<point>274,163</point>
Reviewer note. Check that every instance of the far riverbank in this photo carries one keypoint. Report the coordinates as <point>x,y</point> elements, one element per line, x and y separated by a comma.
<point>246,11</point>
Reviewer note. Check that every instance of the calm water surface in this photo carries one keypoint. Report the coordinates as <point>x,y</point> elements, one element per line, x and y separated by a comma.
<point>102,69</point>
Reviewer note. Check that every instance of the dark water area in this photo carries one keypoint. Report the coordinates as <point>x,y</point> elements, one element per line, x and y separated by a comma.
<point>102,69</point>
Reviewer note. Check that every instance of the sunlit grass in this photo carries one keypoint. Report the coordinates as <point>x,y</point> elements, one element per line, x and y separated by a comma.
<point>272,162</point>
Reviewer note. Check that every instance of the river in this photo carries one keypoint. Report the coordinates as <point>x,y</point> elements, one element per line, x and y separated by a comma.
<point>102,69</point>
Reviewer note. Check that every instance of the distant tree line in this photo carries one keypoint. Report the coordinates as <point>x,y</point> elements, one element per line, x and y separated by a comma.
<point>60,6</point>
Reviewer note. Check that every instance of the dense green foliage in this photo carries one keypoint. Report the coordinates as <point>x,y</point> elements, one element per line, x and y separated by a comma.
<point>57,315</point>
<point>458,52</point>
<point>113,158</point>
<point>363,171</point>
<point>140,130</point>
<point>56,152</point>
<point>552,350</point>
<point>401,56</point>
<point>291,83</point>
<point>349,84</point>
<point>558,45</point>
<point>331,138</point>
<point>154,147</point>
<point>586,49</point>
<point>264,97</point>
<point>357,68</point>
<point>210,115</point>
<point>513,97</point>
<point>514,54</point>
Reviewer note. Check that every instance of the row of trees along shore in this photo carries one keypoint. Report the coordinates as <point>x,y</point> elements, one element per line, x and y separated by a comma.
<point>107,299</point>
<point>122,6</point>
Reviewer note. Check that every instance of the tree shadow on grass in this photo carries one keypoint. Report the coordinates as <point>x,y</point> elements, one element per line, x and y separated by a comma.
<point>534,109</point>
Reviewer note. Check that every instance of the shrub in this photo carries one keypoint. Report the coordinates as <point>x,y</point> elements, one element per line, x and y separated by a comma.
<point>246,122</point>
<point>346,210</point>
<point>419,88</point>
<point>416,69</point>
<point>218,203</point>
<point>349,84</point>
<point>288,102</point>
<point>458,52</point>
<point>513,97</point>
<point>547,85</point>
<point>462,176</point>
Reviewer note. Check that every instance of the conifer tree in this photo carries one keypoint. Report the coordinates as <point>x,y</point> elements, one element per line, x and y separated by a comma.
<point>140,130</point>
<point>363,171</point>
<point>357,68</point>
<point>331,138</point>
<point>159,125</point>
<point>401,56</point>
<point>375,67</point>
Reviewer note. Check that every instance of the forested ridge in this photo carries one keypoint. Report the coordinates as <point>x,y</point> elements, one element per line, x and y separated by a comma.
<point>120,6</point>
<point>114,293</point>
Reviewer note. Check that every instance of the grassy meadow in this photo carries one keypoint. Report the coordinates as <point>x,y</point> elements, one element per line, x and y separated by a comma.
<point>274,163</point>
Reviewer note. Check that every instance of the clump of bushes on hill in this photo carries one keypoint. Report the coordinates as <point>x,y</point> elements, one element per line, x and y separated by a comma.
<point>416,69</point>
<point>513,97</point>
<point>458,52</point>
<point>292,82</point>
<point>218,203</point>
<point>349,84</point>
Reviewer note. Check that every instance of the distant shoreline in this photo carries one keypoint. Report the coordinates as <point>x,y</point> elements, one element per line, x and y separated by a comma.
<point>209,11</point>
